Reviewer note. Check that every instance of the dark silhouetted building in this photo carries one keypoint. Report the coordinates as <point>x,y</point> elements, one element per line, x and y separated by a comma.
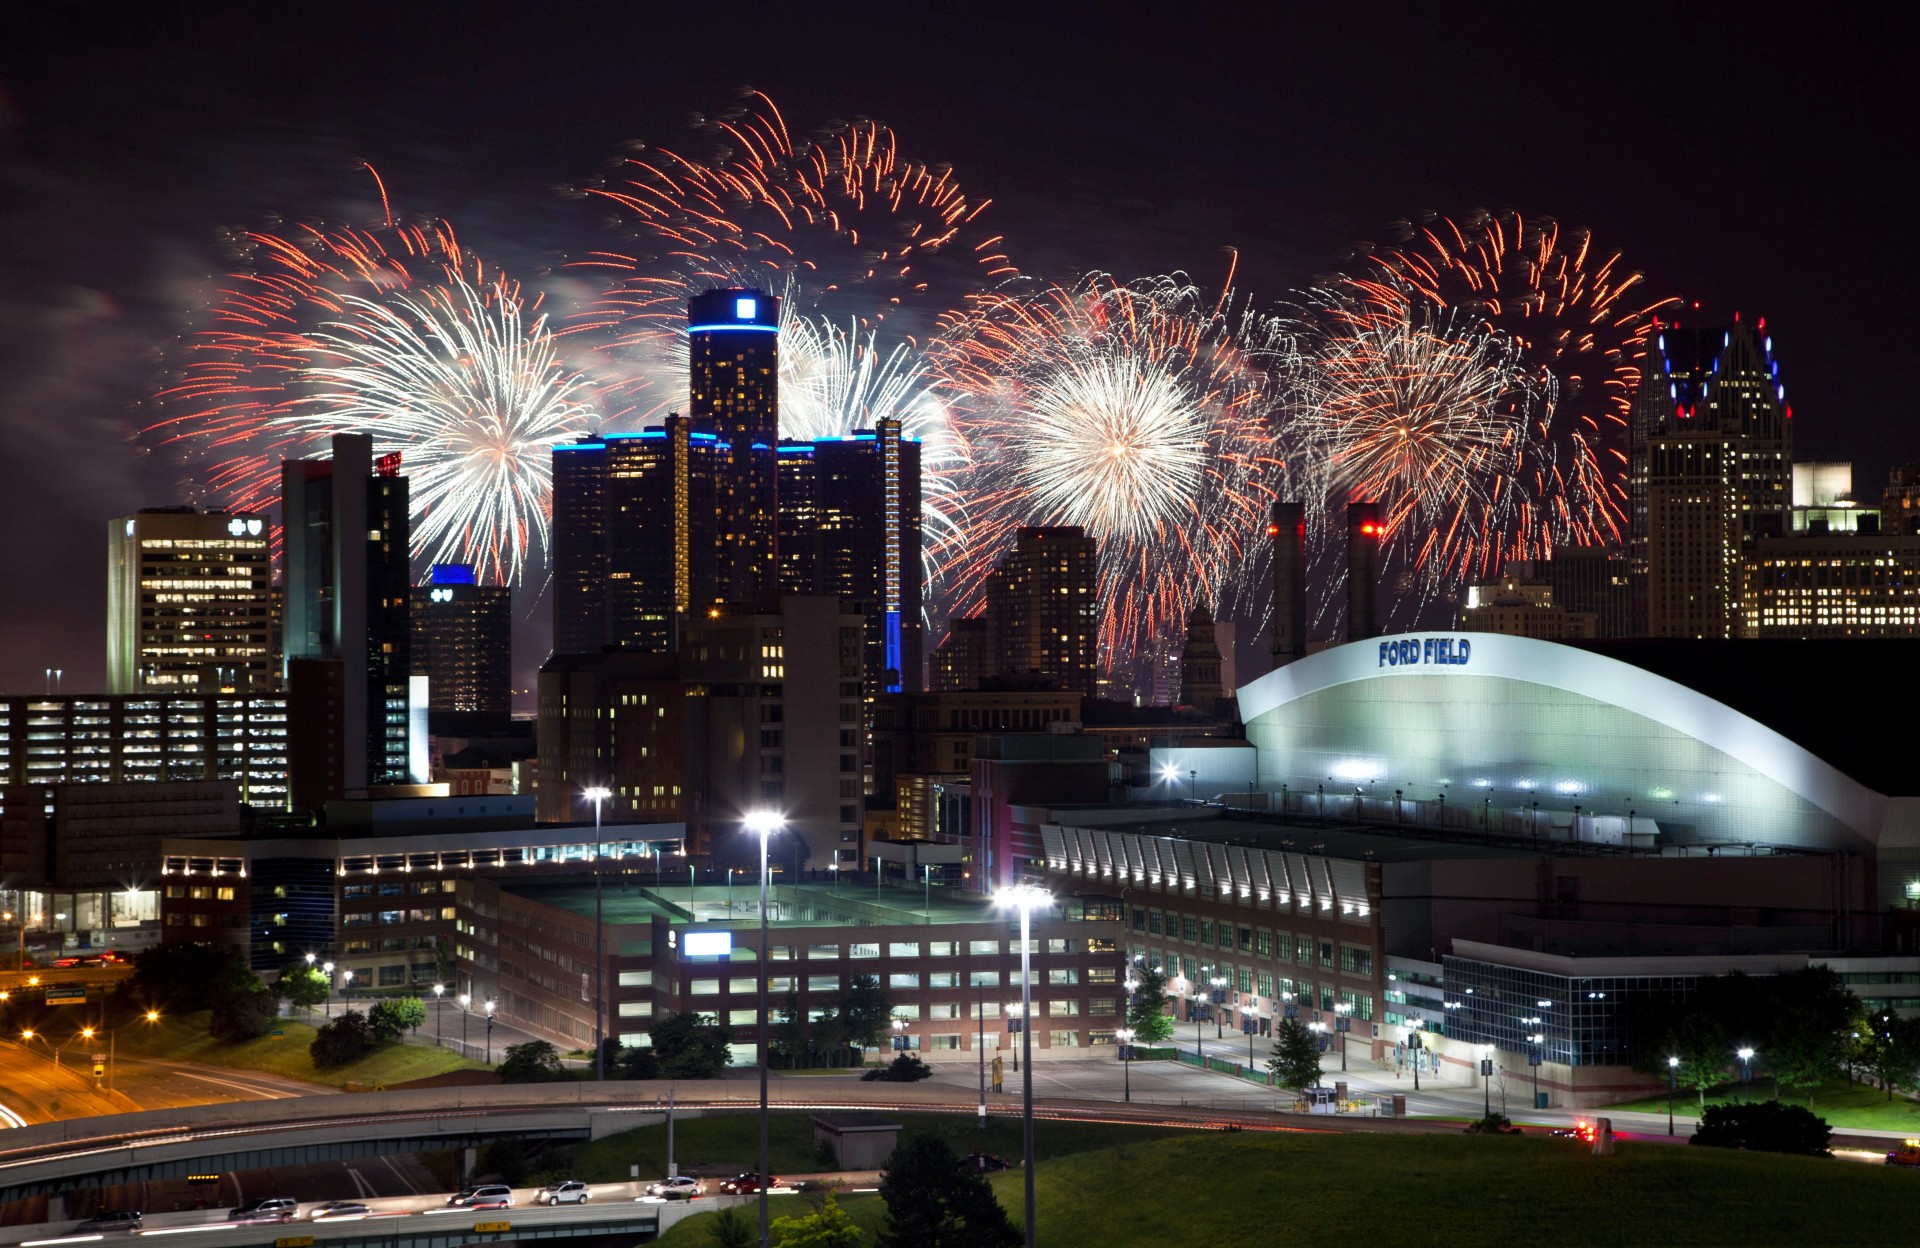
<point>346,544</point>
<point>463,645</point>
<point>1043,608</point>
<point>964,659</point>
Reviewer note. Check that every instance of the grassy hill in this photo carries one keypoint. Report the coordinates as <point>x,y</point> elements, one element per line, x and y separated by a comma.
<point>184,1039</point>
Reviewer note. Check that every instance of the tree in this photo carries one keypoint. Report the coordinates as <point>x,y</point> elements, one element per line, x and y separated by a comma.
<point>1892,1051</point>
<point>1701,1044</point>
<point>1809,1016</point>
<point>1295,1062</point>
<point>341,1041</point>
<point>1764,1127</point>
<point>934,1202</point>
<point>904,1068</point>
<point>1147,1011</point>
<point>788,1038</point>
<point>828,1226</point>
<point>830,1035</point>
<point>241,1016</point>
<point>536,1061</point>
<point>639,1063</point>
<point>182,978</point>
<point>689,1046</point>
<point>300,984</point>
<point>391,1018</point>
<point>731,1229</point>
<point>866,1013</point>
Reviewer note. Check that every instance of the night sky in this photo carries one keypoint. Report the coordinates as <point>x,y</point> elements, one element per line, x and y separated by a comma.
<point>1746,162</point>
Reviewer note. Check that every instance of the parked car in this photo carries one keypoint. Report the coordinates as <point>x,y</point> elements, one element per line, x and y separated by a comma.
<point>338,1209</point>
<point>747,1184</point>
<point>485,1196</point>
<point>679,1187</point>
<point>571,1192</point>
<point>111,1220</point>
<point>983,1161</point>
<point>266,1209</point>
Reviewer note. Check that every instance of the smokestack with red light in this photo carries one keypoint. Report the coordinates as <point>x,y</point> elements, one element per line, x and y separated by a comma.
<point>1287,530</point>
<point>1364,534</point>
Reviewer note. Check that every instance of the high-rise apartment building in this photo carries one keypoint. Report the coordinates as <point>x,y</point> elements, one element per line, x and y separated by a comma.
<point>612,719</point>
<point>188,602</point>
<point>850,528</point>
<point>1595,581</point>
<point>964,659</point>
<point>1712,472</point>
<point>1043,608</point>
<point>733,363</point>
<point>463,645</point>
<point>346,531</point>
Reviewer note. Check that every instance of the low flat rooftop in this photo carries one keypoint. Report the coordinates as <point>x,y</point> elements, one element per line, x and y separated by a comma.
<point>790,905</point>
<point>1370,843</point>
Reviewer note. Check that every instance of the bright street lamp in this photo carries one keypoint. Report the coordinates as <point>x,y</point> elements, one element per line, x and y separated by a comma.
<point>1124,1036</point>
<point>1026,898</point>
<point>1673,1077</point>
<point>764,824</point>
<point>1342,1024</point>
<point>1220,983</point>
<point>326,968</point>
<point>439,991</point>
<point>113,1035</point>
<point>1249,1023</point>
<point>490,1031</point>
<point>598,794</point>
<point>1746,1072</point>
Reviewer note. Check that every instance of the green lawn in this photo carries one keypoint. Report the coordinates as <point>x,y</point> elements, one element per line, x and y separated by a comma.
<point>1859,1107</point>
<point>184,1038</point>
<point>733,1140</point>
<point>1461,1189</point>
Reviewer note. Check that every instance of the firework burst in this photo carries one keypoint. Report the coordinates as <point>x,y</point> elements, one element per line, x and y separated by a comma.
<point>842,225</point>
<point>401,334</point>
<point>1425,412</point>
<point>1133,410</point>
<point>1580,320</point>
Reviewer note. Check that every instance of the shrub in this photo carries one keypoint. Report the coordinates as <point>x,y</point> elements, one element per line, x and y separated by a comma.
<point>241,1016</point>
<point>905,1068</point>
<point>1764,1127</point>
<point>343,1040</point>
<point>536,1061</point>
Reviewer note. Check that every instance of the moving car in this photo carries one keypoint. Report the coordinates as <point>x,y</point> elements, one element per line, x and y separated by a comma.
<point>679,1187</point>
<point>484,1196</point>
<point>571,1192</point>
<point>747,1184</point>
<point>983,1161</point>
<point>1582,1131</point>
<point>1908,1154</point>
<point>338,1209</point>
<point>266,1209</point>
<point>111,1220</point>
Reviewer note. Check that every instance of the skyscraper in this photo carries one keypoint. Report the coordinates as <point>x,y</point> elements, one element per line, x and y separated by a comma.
<point>188,602</point>
<point>463,645</point>
<point>1717,467</point>
<point>636,536</point>
<point>1043,608</point>
<point>850,528</point>
<point>346,532</point>
<point>733,358</point>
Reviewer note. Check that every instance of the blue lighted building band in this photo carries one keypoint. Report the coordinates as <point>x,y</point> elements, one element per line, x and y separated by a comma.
<point>714,329</point>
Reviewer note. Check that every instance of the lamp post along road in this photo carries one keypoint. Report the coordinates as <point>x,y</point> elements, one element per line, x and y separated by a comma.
<point>764,823</point>
<point>1125,1036</point>
<point>598,794</point>
<point>1025,897</point>
<point>1673,1078</point>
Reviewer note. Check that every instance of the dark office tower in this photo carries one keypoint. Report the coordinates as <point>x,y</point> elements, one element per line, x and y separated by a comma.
<point>798,535</point>
<point>345,533</point>
<point>662,555</point>
<point>866,525</point>
<point>1043,608</point>
<point>463,645</point>
<point>1200,663</point>
<point>964,659</point>
<point>1287,530</point>
<point>1593,580</point>
<point>580,547</point>
<point>635,547</point>
<point>1900,502</point>
<point>1364,537</point>
<point>733,357</point>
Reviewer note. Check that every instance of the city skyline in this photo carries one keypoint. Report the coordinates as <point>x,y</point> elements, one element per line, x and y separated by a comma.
<point>1054,199</point>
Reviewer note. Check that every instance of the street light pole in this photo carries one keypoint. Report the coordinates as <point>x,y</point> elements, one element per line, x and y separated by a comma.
<point>1746,1073</point>
<point>1220,983</point>
<point>1249,1023</point>
<point>327,967</point>
<point>764,823</point>
<point>1199,1053</point>
<point>598,794</point>
<point>1673,1078</point>
<point>1125,1036</point>
<point>1342,1024</point>
<point>439,992</point>
<point>489,1031</point>
<point>1025,897</point>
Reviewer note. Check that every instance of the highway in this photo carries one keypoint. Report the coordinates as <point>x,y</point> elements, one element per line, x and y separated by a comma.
<point>33,1089</point>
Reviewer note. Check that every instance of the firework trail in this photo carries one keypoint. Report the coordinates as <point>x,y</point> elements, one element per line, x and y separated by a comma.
<point>1426,412</point>
<point>841,225</point>
<point>1136,411</point>
<point>1581,322</point>
<point>395,332</point>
